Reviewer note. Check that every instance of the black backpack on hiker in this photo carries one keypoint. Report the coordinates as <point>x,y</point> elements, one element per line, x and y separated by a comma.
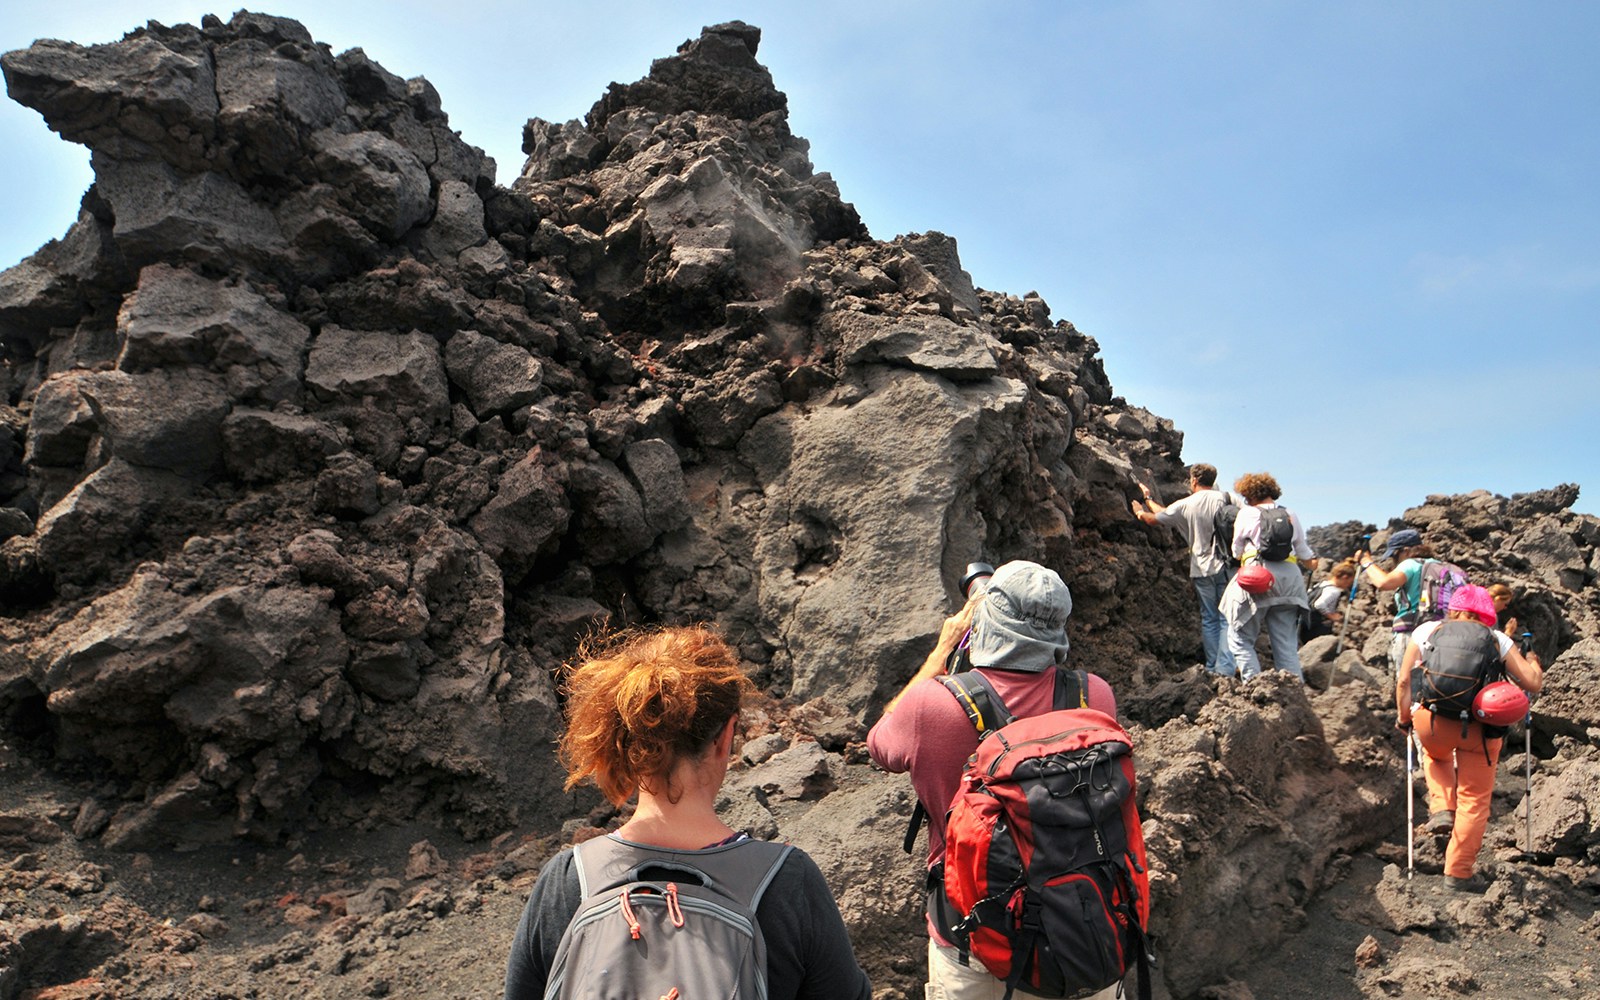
<point>661,923</point>
<point>1277,535</point>
<point>1222,522</point>
<point>1456,661</point>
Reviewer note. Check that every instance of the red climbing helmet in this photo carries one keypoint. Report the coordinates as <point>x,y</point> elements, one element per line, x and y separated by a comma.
<point>1255,578</point>
<point>1500,704</point>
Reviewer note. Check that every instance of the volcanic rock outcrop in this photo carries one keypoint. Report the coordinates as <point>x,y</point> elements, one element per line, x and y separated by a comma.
<point>324,447</point>
<point>319,450</point>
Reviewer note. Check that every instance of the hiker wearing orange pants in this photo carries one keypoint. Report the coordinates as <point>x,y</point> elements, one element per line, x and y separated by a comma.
<point>1459,762</point>
<point>1460,772</point>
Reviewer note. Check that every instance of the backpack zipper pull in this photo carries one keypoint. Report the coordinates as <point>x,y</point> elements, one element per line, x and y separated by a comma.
<point>627,914</point>
<point>676,913</point>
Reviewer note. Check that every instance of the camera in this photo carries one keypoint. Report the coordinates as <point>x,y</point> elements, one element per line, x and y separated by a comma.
<point>1525,643</point>
<point>973,582</point>
<point>976,579</point>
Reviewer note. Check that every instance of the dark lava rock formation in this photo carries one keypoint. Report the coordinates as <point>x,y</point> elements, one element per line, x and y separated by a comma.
<point>319,449</point>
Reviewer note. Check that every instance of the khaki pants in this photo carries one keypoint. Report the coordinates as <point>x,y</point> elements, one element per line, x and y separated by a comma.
<point>948,979</point>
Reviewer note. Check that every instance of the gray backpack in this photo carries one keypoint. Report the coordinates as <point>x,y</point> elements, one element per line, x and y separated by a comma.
<point>687,930</point>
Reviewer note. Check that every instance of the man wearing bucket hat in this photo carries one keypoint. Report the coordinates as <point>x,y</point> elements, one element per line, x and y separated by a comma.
<point>1405,580</point>
<point>1460,757</point>
<point>1018,638</point>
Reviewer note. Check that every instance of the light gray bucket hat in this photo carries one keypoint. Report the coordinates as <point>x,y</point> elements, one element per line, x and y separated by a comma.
<point>1021,622</point>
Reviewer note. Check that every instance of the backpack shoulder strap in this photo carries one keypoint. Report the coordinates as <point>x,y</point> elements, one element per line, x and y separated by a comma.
<point>598,862</point>
<point>978,698</point>
<point>1072,689</point>
<point>743,870</point>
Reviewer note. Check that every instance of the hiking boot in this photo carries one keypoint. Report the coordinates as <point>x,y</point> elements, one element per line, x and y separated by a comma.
<point>1474,883</point>
<point>1442,821</point>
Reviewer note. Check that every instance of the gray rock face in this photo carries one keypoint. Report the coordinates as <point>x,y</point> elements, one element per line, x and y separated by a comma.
<point>168,420</point>
<point>175,318</point>
<point>211,216</point>
<point>263,445</point>
<point>402,374</point>
<point>527,513</point>
<point>85,534</point>
<point>1564,817</point>
<point>497,378</point>
<point>320,453</point>
<point>654,470</point>
<point>237,671</point>
<point>1567,705</point>
<point>705,389</point>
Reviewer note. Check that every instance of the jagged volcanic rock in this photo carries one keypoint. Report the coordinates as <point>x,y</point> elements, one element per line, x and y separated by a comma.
<point>301,352</point>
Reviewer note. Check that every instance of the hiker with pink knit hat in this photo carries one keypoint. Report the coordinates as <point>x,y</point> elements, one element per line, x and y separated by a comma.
<point>1446,664</point>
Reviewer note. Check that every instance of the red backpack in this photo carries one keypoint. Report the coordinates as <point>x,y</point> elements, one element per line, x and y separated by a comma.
<point>1045,877</point>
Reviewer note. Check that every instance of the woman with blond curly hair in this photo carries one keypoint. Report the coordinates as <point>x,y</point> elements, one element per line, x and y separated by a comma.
<point>1278,604</point>
<point>653,714</point>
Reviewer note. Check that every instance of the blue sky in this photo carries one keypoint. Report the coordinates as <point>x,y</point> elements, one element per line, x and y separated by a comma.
<point>1356,245</point>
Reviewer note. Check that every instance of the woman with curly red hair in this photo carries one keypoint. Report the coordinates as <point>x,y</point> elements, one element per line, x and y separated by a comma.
<point>1280,597</point>
<point>653,714</point>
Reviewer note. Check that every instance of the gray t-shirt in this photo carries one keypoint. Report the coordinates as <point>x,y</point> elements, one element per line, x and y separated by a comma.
<point>1192,517</point>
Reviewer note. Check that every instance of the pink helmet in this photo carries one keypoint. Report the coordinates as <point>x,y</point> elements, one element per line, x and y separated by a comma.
<point>1477,600</point>
<point>1255,578</point>
<point>1500,704</point>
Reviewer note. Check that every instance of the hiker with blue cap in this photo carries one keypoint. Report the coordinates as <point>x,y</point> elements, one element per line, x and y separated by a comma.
<point>1405,579</point>
<point>1015,635</point>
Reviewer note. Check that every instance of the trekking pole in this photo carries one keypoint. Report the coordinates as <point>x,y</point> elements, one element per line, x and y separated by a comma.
<point>1411,824</point>
<point>1527,771</point>
<point>1526,641</point>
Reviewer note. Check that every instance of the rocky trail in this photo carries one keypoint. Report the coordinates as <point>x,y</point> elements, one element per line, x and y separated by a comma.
<point>320,448</point>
